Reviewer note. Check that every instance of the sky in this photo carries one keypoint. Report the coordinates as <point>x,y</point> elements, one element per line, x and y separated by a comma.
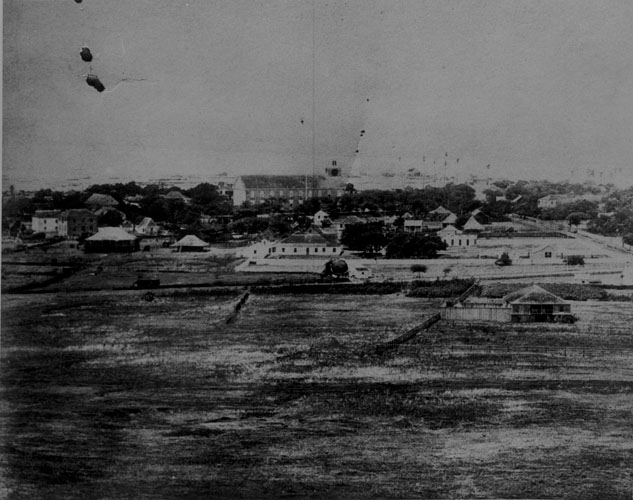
<point>534,89</point>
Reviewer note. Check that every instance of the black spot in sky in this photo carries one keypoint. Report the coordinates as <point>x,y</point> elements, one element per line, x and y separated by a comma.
<point>93,81</point>
<point>85,54</point>
<point>301,122</point>
<point>78,1</point>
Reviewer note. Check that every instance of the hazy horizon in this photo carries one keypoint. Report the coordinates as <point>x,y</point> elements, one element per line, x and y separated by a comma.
<point>535,90</point>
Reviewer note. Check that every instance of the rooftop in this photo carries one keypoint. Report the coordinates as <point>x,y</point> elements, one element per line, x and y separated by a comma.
<point>111,234</point>
<point>190,241</point>
<point>282,181</point>
<point>103,200</point>
<point>533,295</point>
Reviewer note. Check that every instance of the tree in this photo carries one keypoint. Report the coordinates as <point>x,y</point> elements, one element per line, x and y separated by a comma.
<point>418,269</point>
<point>447,271</point>
<point>368,238</point>
<point>414,245</point>
<point>575,260</point>
<point>504,260</point>
<point>112,218</point>
<point>575,218</point>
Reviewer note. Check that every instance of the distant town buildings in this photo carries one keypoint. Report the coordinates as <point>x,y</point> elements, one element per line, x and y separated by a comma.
<point>555,200</point>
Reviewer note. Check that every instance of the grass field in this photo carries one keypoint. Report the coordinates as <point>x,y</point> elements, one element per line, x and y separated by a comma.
<point>111,397</point>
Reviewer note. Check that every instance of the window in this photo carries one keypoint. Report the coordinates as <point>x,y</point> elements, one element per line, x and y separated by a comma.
<point>295,250</point>
<point>548,255</point>
<point>334,250</point>
<point>283,249</point>
<point>467,242</point>
<point>324,250</point>
<point>460,243</point>
<point>452,242</point>
<point>274,249</point>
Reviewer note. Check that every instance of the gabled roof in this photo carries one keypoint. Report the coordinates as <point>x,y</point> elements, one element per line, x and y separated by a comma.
<point>472,224</point>
<point>449,219</point>
<point>281,181</point>
<point>111,234</point>
<point>309,237</point>
<point>441,210</point>
<point>533,295</point>
<point>349,219</point>
<point>105,210</point>
<point>176,195</point>
<point>190,241</point>
<point>147,221</point>
<point>102,200</point>
<point>450,229</point>
<point>543,248</point>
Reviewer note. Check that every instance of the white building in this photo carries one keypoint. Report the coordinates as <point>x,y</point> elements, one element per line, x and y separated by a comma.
<point>319,217</point>
<point>147,226</point>
<point>46,221</point>
<point>453,237</point>
<point>308,243</point>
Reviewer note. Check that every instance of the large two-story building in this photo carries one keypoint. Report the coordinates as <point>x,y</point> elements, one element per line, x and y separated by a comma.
<point>294,189</point>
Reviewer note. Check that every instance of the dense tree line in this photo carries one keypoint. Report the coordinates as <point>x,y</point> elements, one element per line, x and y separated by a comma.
<point>371,238</point>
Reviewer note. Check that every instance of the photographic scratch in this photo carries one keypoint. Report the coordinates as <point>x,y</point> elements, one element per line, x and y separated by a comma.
<point>125,80</point>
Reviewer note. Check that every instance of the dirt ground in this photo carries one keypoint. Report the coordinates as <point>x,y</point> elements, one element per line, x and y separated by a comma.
<point>108,396</point>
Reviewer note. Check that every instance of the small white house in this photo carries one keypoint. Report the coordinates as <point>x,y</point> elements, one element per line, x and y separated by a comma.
<point>147,226</point>
<point>545,254</point>
<point>308,243</point>
<point>453,237</point>
<point>319,217</point>
<point>473,226</point>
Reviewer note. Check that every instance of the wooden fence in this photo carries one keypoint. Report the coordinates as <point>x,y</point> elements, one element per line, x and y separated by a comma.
<point>479,313</point>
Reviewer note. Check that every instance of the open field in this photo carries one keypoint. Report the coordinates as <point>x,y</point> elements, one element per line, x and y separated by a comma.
<point>108,396</point>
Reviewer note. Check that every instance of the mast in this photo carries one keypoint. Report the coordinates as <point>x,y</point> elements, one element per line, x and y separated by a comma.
<point>313,98</point>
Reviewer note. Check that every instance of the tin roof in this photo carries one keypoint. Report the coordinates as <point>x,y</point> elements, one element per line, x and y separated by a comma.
<point>101,200</point>
<point>282,181</point>
<point>533,295</point>
<point>190,241</point>
<point>111,234</point>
